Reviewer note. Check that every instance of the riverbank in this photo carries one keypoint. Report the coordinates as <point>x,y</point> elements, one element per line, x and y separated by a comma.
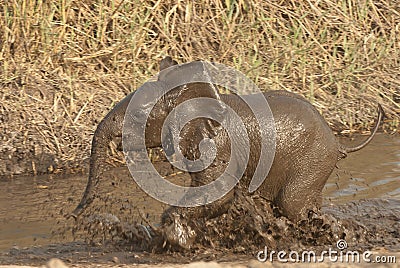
<point>392,262</point>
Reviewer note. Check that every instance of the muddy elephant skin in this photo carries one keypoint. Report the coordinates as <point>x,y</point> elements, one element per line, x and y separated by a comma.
<point>306,150</point>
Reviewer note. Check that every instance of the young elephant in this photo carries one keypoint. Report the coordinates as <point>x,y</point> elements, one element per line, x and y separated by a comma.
<point>306,151</point>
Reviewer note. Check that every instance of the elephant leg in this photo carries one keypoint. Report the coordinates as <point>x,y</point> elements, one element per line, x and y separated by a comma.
<point>180,221</point>
<point>303,192</point>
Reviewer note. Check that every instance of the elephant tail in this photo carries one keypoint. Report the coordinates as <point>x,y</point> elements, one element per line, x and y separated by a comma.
<point>345,150</point>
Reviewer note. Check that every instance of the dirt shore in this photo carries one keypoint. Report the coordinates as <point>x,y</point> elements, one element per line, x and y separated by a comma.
<point>57,263</point>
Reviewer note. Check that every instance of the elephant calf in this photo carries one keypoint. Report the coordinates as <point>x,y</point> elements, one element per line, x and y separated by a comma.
<point>306,150</point>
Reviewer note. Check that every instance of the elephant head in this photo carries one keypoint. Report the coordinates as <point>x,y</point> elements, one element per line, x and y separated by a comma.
<point>158,99</point>
<point>152,106</point>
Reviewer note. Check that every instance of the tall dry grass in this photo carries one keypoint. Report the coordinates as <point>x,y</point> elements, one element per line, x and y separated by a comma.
<point>64,64</point>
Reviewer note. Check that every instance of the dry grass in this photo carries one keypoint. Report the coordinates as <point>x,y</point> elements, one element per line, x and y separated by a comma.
<point>64,64</point>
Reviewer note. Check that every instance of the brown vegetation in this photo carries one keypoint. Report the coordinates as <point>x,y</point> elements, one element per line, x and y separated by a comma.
<point>64,64</point>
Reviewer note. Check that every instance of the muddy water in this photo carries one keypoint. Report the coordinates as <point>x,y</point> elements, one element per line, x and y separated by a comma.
<point>373,172</point>
<point>365,187</point>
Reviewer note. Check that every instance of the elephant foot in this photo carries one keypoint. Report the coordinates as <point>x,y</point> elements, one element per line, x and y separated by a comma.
<point>177,231</point>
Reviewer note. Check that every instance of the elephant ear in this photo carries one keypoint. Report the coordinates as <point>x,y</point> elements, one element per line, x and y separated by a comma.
<point>215,111</point>
<point>191,104</point>
<point>190,81</point>
<point>167,62</point>
<point>188,77</point>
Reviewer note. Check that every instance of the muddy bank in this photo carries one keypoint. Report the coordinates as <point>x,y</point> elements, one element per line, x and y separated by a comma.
<point>386,261</point>
<point>45,132</point>
<point>43,139</point>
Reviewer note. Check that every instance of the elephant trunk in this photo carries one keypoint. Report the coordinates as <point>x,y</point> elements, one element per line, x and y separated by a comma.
<point>100,142</point>
<point>108,128</point>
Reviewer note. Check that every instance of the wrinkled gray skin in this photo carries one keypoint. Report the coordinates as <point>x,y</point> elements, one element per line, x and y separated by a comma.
<point>306,152</point>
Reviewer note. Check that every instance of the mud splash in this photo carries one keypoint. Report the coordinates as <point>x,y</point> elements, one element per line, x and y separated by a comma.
<point>361,206</point>
<point>251,221</point>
